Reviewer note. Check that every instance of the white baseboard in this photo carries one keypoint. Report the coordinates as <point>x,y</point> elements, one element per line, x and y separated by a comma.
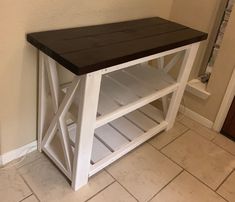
<point>196,117</point>
<point>17,153</point>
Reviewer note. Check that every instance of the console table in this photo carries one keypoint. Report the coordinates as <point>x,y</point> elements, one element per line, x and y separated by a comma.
<point>106,110</point>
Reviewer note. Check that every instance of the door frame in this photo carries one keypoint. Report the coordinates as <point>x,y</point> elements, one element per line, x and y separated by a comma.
<point>226,104</point>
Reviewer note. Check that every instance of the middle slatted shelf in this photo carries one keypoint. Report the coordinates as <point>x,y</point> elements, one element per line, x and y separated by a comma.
<point>124,117</point>
<point>126,90</point>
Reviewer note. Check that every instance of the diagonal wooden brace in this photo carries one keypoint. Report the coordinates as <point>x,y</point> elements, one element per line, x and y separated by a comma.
<point>60,109</point>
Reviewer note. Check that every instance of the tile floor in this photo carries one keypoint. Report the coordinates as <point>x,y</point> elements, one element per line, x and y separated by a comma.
<point>189,163</point>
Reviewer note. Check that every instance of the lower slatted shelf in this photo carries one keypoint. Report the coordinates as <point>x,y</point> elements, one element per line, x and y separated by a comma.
<point>114,136</point>
<point>99,151</point>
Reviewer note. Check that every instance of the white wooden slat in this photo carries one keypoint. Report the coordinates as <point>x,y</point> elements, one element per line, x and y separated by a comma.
<point>152,71</point>
<point>141,120</point>
<point>133,84</point>
<point>127,148</point>
<point>110,137</point>
<point>106,104</point>
<point>102,120</point>
<point>156,78</point>
<point>152,112</point>
<point>127,128</point>
<point>117,92</point>
<point>99,151</point>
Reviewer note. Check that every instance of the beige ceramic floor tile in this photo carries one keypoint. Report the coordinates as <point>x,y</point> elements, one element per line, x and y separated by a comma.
<point>227,190</point>
<point>227,144</point>
<point>32,198</point>
<point>12,186</point>
<point>186,188</point>
<point>50,185</point>
<point>201,157</point>
<point>113,193</point>
<point>165,138</point>
<point>144,172</point>
<point>198,128</point>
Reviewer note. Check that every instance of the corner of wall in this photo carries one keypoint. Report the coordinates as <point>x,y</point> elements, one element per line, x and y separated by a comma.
<point>1,163</point>
<point>171,8</point>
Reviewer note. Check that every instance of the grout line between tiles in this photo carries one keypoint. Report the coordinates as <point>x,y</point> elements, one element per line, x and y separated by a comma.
<point>166,185</point>
<point>167,157</point>
<point>184,125</point>
<point>223,148</point>
<point>26,197</point>
<point>205,138</point>
<point>100,191</point>
<point>122,186</point>
<point>127,191</point>
<point>114,180</point>
<point>213,139</point>
<point>194,130</point>
<point>174,139</point>
<point>200,136</point>
<point>190,173</point>
<point>224,180</point>
<point>207,186</point>
<point>28,186</point>
<point>210,140</point>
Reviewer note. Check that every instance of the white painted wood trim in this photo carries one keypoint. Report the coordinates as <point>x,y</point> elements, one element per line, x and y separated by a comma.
<point>196,117</point>
<point>53,79</point>
<point>185,70</point>
<point>197,88</point>
<point>142,60</point>
<point>226,103</point>
<point>41,99</point>
<point>87,111</point>
<point>17,153</point>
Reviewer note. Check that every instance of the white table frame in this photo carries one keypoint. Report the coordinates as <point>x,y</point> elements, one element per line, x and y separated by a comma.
<point>77,163</point>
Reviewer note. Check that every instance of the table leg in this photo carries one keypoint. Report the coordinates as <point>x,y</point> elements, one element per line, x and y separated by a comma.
<point>185,70</point>
<point>41,99</point>
<point>88,104</point>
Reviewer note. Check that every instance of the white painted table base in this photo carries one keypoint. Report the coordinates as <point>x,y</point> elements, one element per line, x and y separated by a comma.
<point>77,155</point>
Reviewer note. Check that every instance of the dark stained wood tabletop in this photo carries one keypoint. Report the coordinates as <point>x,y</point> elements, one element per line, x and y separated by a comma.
<point>86,49</point>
